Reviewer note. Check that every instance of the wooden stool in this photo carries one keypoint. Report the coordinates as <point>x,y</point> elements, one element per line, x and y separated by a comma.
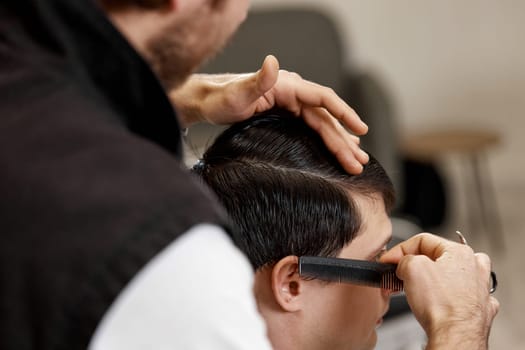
<point>472,144</point>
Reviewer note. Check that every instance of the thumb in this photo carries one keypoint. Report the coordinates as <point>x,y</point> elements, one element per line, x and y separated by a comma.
<point>250,88</point>
<point>267,76</point>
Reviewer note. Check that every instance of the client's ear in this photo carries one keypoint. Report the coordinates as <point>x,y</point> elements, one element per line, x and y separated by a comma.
<point>286,283</point>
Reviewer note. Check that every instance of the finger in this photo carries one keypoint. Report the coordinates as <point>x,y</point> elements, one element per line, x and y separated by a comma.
<point>355,139</point>
<point>495,306</point>
<point>316,95</point>
<point>361,155</point>
<point>484,262</point>
<point>421,244</point>
<point>336,139</point>
<point>248,88</point>
<point>410,266</point>
<point>268,74</point>
<point>485,267</point>
<point>339,139</point>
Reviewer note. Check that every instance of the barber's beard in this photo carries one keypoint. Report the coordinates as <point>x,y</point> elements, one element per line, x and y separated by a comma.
<point>170,58</point>
<point>173,59</point>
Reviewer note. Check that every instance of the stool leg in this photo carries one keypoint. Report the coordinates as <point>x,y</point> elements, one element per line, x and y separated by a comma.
<point>471,194</point>
<point>487,201</point>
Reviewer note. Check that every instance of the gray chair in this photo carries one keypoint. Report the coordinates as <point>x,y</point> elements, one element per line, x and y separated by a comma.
<point>305,41</point>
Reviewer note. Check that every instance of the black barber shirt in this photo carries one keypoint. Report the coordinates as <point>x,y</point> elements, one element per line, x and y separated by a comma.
<point>91,185</point>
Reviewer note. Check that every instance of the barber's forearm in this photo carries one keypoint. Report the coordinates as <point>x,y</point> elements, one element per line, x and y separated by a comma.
<point>188,99</point>
<point>453,337</point>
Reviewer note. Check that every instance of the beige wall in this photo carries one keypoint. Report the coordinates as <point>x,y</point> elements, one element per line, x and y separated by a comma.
<point>447,62</point>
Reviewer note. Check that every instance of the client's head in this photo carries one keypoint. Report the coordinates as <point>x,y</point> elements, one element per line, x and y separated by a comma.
<point>288,196</point>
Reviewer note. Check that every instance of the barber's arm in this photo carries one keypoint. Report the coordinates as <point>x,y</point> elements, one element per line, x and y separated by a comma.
<point>447,286</point>
<point>228,98</point>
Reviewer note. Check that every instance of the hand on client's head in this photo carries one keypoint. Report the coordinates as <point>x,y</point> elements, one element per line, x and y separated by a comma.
<point>225,99</point>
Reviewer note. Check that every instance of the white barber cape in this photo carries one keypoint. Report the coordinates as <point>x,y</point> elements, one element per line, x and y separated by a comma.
<point>195,294</point>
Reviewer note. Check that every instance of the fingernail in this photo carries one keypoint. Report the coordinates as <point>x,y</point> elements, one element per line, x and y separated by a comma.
<point>364,156</point>
<point>358,167</point>
<point>364,126</point>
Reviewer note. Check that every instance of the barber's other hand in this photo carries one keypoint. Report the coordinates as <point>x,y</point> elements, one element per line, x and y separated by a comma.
<point>229,98</point>
<point>447,286</point>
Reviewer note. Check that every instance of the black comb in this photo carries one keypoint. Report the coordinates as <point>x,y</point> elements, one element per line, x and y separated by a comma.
<point>362,272</point>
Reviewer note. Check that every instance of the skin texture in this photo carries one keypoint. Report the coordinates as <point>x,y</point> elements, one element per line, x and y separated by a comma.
<point>311,314</point>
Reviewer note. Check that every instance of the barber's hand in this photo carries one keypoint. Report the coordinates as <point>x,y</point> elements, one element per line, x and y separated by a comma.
<point>447,286</point>
<point>229,98</point>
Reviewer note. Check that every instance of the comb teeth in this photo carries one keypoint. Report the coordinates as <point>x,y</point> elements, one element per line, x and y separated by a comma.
<point>362,272</point>
<point>390,281</point>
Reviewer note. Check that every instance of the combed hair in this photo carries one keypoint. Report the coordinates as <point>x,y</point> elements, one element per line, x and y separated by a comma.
<point>284,191</point>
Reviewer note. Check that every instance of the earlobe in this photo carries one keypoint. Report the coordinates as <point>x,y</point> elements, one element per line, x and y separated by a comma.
<point>286,284</point>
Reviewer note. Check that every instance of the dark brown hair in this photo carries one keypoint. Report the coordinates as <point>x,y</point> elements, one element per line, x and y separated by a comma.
<point>284,191</point>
